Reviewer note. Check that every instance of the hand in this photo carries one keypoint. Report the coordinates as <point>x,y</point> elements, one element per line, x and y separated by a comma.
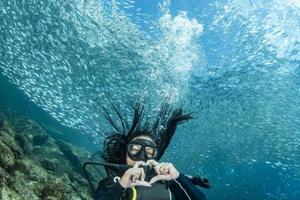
<point>166,171</point>
<point>134,176</point>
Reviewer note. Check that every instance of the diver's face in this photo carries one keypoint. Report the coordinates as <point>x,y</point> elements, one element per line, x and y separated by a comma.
<point>140,148</point>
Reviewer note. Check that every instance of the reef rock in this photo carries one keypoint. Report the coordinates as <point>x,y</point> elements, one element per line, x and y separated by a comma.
<point>33,165</point>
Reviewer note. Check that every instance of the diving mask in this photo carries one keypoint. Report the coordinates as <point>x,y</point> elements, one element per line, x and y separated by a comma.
<point>142,150</point>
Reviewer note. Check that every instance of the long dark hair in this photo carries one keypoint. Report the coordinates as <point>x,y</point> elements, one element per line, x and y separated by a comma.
<point>161,129</point>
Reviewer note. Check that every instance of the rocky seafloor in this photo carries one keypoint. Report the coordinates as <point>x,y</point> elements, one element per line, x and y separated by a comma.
<point>34,165</point>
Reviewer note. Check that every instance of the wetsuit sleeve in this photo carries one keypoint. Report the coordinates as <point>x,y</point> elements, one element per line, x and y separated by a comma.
<point>111,192</point>
<point>183,188</point>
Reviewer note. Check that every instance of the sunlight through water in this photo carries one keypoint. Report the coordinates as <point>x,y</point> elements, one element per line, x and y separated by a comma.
<point>234,64</point>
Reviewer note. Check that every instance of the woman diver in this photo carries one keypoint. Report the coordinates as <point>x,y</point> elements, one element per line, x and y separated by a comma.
<point>140,146</point>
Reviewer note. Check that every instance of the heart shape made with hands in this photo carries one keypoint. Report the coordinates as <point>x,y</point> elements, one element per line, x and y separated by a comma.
<point>158,171</point>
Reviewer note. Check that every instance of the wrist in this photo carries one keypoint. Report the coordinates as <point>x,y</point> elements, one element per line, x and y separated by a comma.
<point>118,181</point>
<point>176,175</point>
<point>118,189</point>
<point>122,183</point>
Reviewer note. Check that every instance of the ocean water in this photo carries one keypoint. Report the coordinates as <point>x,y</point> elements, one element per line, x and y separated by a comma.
<point>235,64</point>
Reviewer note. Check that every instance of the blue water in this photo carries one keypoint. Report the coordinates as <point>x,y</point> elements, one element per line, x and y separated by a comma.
<point>234,64</point>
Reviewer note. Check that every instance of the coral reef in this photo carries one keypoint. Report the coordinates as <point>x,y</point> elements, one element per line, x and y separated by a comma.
<point>33,165</point>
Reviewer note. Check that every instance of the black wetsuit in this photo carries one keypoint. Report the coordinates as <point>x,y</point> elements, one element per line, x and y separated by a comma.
<point>180,189</point>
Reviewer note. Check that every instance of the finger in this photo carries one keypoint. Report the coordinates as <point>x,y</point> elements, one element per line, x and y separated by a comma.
<point>141,183</point>
<point>174,173</point>
<point>138,172</point>
<point>161,168</point>
<point>143,175</point>
<point>157,167</point>
<point>166,168</point>
<point>172,169</point>
<point>160,177</point>
<point>133,171</point>
<point>138,163</point>
<point>152,163</point>
<point>134,179</point>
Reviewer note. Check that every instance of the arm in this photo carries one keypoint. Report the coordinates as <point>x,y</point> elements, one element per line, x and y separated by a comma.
<point>183,188</point>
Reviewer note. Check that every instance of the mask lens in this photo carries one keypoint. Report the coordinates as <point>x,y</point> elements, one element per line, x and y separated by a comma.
<point>140,149</point>
<point>151,152</point>
<point>133,149</point>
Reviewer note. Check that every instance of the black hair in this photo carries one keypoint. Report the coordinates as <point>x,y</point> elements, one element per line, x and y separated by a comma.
<point>161,130</point>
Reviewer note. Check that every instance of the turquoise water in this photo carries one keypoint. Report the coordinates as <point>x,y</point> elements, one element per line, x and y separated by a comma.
<point>235,64</point>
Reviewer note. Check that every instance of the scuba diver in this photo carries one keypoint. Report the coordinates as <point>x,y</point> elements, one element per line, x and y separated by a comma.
<point>139,146</point>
